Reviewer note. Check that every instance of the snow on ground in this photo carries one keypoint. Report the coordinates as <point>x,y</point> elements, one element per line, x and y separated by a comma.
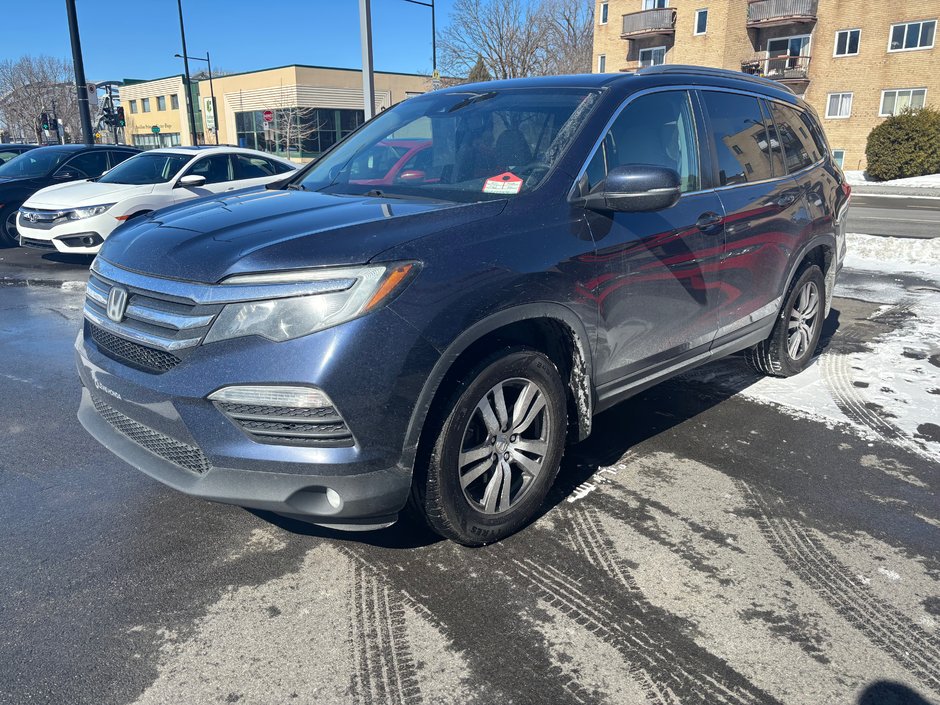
<point>894,378</point>
<point>858,178</point>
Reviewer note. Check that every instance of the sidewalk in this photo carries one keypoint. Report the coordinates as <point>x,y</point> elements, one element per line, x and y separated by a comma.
<point>919,186</point>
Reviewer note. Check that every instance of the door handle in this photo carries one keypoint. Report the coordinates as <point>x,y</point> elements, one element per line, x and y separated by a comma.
<point>709,222</point>
<point>787,199</point>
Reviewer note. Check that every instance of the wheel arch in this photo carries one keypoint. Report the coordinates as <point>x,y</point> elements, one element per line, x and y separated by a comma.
<point>820,250</point>
<point>551,328</point>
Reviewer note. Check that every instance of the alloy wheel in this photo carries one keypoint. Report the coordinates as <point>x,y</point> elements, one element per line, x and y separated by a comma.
<point>804,317</point>
<point>504,445</point>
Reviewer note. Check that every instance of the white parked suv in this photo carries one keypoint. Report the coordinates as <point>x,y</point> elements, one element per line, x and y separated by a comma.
<point>76,217</point>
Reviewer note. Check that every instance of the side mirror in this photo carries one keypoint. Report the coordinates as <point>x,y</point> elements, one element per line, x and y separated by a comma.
<point>66,174</point>
<point>191,181</point>
<point>636,187</point>
<point>412,175</point>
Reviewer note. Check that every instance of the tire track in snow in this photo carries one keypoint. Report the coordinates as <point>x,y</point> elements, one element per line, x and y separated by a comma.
<point>907,643</point>
<point>384,670</point>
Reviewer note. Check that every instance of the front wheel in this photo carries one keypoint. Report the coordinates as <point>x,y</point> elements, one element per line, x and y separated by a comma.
<point>498,450</point>
<point>789,348</point>
<point>8,235</point>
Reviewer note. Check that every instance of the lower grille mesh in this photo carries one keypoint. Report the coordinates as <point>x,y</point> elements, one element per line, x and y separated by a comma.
<point>130,353</point>
<point>186,456</point>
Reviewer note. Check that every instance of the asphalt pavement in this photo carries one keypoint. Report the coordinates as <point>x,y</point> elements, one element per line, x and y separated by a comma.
<point>703,546</point>
<point>896,216</point>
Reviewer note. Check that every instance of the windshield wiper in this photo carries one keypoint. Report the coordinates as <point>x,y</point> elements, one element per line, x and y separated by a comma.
<point>378,193</point>
<point>475,98</point>
<point>296,187</point>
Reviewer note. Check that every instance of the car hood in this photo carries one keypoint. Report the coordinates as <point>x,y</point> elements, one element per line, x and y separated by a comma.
<point>84,193</point>
<point>260,231</point>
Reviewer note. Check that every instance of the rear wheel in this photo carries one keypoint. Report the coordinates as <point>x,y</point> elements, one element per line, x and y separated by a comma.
<point>789,348</point>
<point>8,234</point>
<point>498,450</point>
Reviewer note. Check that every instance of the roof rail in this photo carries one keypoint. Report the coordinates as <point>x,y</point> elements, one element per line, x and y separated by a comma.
<point>709,71</point>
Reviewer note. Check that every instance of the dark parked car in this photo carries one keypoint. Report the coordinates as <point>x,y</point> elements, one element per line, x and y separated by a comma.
<point>8,151</point>
<point>25,174</point>
<point>337,351</point>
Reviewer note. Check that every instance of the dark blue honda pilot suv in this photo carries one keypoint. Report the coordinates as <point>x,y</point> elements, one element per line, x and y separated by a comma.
<point>427,314</point>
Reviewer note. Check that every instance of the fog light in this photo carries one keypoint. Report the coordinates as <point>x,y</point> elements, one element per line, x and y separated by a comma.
<point>296,397</point>
<point>332,496</point>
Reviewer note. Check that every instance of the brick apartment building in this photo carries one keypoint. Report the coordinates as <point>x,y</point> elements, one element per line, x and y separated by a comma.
<point>854,61</point>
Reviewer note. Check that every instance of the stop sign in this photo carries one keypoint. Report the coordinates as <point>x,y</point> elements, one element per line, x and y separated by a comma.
<point>268,116</point>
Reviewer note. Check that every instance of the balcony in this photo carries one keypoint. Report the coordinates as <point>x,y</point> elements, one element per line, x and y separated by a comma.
<point>648,23</point>
<point>792,71</point>
<point>773,13</point>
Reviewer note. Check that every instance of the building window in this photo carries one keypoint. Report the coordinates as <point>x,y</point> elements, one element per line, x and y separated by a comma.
<point>912,35</point>
<point>654,56</point>
<point>133,104</point>
<point>152,141</point>
<point>701,21</point>
<point>297,132</point>
<point>605,9</point>
<point>894,102</point>
<point>839,105</point>
<point>175,102</point>
<point>838,156</point>
<point>161,102</point>
<point>847,42</point>
<point>654,4</point>
<point>602,63</point>
<point>145,105</point>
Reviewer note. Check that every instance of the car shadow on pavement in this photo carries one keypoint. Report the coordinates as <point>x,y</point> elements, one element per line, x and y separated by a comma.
<point>65,258</point>
<point>615,432</point>
<point>890,693</point>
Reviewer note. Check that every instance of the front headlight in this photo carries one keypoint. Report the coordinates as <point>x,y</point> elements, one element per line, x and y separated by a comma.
<point>87,211</point>
<point>358,291</point>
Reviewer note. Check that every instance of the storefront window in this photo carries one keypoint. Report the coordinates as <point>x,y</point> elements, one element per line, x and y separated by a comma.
<point>297,132</point>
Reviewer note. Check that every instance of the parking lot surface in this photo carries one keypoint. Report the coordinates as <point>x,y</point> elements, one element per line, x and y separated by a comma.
<point>721,538</point>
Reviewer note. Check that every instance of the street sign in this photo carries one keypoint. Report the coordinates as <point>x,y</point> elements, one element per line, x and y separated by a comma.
<point>155,129</point>
<point>268,116</point>
<point>436,80</point>
<point>208,112</point>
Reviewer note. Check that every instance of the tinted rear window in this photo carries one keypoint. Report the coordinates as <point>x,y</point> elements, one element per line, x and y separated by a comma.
<point>742,141</point>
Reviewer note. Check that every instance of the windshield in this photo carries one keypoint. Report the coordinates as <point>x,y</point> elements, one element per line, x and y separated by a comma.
<point>36,162</point>
<point>456,146</point>
<point>148,168</point>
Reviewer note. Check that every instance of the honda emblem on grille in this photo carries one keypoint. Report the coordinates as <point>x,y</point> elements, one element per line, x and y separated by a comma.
<point>117,303</point>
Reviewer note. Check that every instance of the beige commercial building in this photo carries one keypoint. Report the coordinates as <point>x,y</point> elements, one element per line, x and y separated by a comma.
<point>296,111</point>
<point>854,61</point>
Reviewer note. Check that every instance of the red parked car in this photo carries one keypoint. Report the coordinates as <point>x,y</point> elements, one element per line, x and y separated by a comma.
<point>392,161</point>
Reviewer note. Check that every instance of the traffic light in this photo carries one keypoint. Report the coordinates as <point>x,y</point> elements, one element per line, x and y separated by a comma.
<point>120,117</point>
<point>45,121</point>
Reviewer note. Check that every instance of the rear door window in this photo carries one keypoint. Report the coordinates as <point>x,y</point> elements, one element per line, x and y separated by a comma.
<point>215,168</point>
<point>799,147</point>
<point>656,129</point>
<point>251,167</point>
<point>742,140</point>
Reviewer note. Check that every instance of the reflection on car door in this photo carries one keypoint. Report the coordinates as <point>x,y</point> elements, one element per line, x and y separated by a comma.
<point>764,213</point>
<point>657,271</point>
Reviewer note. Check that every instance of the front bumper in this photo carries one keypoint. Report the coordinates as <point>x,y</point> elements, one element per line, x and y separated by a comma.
<point>66,237</point>
<point>163,424</point>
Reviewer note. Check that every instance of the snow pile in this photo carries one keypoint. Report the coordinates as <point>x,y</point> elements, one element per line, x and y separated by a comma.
<point>893,254</point>
<point>859,178</point>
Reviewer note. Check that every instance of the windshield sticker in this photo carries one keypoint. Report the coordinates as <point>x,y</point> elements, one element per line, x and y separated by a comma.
<point>506,183</point>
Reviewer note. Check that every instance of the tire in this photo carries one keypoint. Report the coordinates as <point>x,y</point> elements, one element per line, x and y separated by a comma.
<point>461,492</point>
<point>789,348</point>
<point>8,236</point>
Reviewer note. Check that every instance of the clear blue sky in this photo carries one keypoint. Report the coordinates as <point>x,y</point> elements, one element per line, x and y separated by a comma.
<point>137,40</point>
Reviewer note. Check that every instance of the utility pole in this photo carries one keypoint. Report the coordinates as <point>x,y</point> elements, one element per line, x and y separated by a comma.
<point>80,85</point>
<point>113,113</point>
<point>189,92</point>
<point>368,79</point>
<point>215,115</point>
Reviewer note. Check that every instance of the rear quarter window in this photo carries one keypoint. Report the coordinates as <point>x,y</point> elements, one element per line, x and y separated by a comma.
<point>799,147</point>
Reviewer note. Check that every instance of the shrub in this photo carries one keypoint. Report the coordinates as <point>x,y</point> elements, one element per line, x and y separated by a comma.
<point>905,145</point>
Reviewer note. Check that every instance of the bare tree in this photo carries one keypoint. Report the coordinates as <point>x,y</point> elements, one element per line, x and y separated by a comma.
<point>28,86</point>
<point>518,38</point>
<point>505,33</point>
<point>568,29</point>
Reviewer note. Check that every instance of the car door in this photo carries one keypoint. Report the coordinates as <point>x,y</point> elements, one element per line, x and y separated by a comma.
<point>217,171</point>
<point>657,271</point>
<point>764,211</point>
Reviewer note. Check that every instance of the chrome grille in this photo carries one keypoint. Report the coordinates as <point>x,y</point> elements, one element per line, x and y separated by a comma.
<point>41,219</point>
<point>182,454</point>
<point>156,330</point>
<point>322,427</point>
<point>130,353</point>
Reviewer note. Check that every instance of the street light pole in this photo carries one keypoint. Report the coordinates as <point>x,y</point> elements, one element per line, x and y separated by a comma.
<point>189,93</point>
<point>80,86</point>
<point>365,36</point>
<point>215,114</point>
